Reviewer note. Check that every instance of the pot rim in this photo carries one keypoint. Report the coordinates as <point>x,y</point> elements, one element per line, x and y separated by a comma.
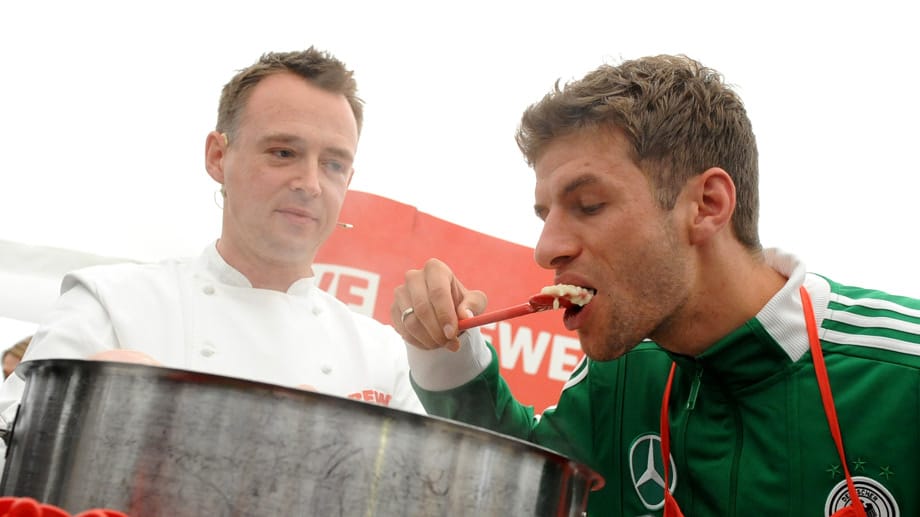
<point>26,369</point>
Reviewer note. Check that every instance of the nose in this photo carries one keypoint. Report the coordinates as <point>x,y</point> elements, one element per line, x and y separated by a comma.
<point>307,178</point>
<point>558,244</point>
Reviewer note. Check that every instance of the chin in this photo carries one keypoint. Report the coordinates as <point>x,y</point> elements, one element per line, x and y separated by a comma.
<point>595,352</point>
<point>603,351</point>
<point>604,356</point>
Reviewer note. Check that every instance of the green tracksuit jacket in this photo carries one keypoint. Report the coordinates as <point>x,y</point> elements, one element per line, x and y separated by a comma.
<point>748,429</point>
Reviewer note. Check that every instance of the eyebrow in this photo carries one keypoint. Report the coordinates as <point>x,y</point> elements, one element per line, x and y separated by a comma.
<point>580,181</point>
<point>341,153</point>
<point>576,183</point>
<point>283,138</point>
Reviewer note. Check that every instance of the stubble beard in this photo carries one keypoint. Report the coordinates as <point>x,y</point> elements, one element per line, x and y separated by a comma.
<point>658,295</point>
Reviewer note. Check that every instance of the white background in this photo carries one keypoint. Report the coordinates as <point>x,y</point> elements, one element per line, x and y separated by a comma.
<point>104,107</point>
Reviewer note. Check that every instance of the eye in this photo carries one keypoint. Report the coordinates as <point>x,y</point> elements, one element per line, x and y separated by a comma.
<point>592,209</point>
<point>283,153</point>
<point>335,166</point>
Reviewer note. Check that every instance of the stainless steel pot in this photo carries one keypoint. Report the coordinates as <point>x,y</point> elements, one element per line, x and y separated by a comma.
<point>153,441</point>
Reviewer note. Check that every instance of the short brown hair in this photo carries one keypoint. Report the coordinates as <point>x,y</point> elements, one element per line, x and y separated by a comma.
<point>680,118</point>
<point>318,67</point>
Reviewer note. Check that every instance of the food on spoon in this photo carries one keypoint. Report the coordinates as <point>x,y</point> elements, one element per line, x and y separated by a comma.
<point>570,297</point>
<point>575,294</point>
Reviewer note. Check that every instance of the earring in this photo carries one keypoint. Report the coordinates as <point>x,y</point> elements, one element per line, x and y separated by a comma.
<point>219,197</point>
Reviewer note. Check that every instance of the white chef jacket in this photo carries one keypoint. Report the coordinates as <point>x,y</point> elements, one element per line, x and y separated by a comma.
<point>203,315</point>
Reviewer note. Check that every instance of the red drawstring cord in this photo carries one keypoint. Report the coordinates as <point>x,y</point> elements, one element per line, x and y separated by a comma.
<point>670,504</point>
<point>817,356</point>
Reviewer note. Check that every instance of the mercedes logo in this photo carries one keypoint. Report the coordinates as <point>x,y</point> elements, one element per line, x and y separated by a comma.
<point>647,470</point>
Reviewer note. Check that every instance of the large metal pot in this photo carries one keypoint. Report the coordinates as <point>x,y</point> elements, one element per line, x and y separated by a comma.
<point>153,441</point>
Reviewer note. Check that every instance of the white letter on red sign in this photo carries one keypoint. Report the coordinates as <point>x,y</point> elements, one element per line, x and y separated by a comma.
<point>521,345</point>
<point>561,361</point>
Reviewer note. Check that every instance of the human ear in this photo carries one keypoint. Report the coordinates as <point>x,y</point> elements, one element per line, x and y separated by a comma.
<point>215,147</point>
<point>712,194</point>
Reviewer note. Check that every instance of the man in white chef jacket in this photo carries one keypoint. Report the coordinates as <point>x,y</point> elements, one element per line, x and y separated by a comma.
<point>286,137</point>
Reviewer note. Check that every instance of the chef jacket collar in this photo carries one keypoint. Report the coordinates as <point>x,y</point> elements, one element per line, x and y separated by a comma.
<point>228,275</point>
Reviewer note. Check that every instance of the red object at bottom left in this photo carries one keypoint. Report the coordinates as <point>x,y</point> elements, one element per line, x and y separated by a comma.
<point>28,507</point>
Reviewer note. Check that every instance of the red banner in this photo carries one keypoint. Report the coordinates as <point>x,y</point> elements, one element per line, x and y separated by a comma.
<point>363,265</point>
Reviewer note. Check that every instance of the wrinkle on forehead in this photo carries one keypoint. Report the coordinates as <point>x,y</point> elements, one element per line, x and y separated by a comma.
<point>290,105</point>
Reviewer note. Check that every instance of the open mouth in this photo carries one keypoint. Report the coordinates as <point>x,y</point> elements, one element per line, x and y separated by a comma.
<point>578,307</point>
<point>572,297</point>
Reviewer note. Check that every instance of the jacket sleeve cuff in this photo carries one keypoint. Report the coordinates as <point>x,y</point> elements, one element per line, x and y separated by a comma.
<point>441,369</point>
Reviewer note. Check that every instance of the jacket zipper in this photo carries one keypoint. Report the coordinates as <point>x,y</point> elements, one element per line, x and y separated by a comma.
<point>695,388</point>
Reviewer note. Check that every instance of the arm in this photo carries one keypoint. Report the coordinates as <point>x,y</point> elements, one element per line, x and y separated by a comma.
<point>457,376</point>
<point>404,396</point>
<point>485,400</point>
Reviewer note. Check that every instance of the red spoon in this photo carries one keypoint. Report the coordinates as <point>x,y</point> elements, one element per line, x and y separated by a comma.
<point>537,303</point>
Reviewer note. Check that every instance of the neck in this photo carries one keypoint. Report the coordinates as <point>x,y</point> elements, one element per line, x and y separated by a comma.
<point>264,272</point>
<point>729,289</point>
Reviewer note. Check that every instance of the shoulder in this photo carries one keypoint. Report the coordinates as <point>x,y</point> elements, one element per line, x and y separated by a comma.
<point>876,323</point>
<point>126,276</point>
<point>845,296</point>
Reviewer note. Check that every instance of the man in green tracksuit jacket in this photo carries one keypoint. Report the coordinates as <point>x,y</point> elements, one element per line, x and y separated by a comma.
<point>647,186</point>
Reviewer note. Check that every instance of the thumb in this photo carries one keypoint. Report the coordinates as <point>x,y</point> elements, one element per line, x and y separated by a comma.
<point>473,303</point>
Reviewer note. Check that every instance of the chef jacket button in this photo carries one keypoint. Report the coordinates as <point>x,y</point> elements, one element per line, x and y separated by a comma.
<point>317,310</point>
<point>208,350</point>
<point>326,369</point>
<point>208,289</point>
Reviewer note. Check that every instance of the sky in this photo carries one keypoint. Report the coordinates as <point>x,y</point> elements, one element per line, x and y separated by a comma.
<point>104,108</point>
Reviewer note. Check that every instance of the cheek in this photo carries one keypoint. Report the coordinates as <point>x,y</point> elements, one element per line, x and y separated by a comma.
<point>255,185</point>
<point>254,171</point>
<point>334,191</point>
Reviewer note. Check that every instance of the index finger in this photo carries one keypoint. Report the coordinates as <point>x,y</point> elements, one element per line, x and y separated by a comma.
<point>436,304</point>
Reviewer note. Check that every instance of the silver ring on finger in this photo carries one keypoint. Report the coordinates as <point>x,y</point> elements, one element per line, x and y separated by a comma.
<point>405,314</point>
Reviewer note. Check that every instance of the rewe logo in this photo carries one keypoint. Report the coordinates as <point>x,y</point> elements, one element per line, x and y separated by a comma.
<point>356,288</point>
<point>518,348</point>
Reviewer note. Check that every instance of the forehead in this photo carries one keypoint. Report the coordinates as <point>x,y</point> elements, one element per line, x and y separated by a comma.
<point>287,103</point>
<point>603,155</point>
